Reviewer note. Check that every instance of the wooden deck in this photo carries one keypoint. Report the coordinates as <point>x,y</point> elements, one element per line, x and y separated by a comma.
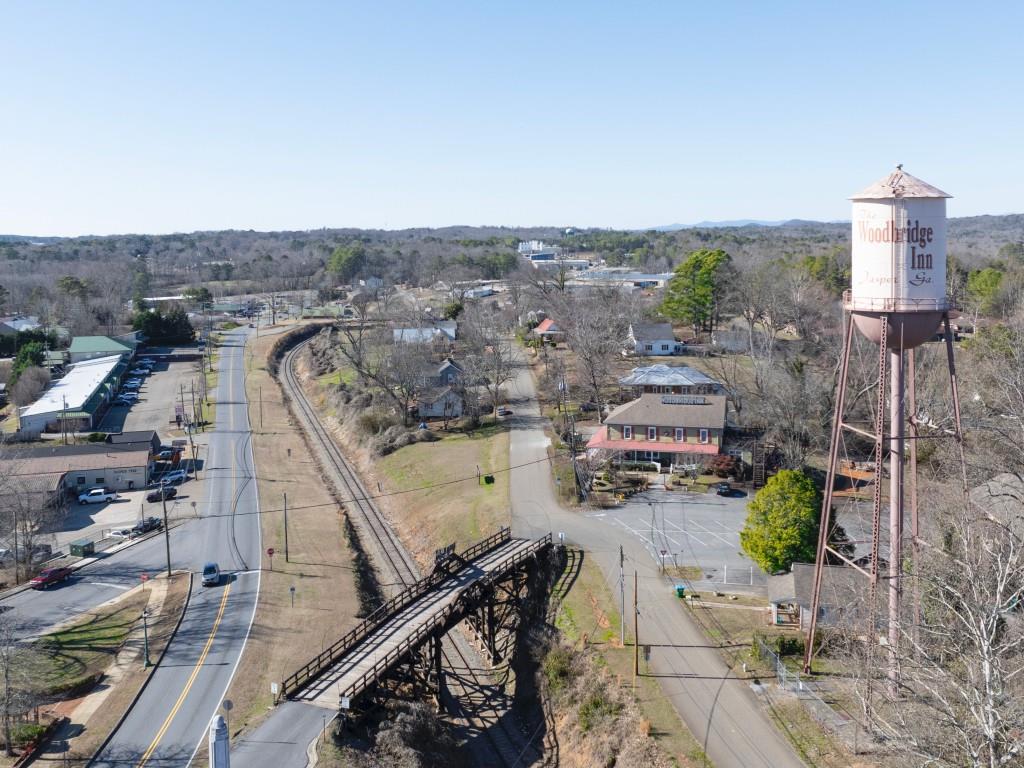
<point>325,691</point>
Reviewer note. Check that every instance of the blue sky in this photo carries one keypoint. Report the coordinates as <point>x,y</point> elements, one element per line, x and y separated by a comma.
<point>146,117</point>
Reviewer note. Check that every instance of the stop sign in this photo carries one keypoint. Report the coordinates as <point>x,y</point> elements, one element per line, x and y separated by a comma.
<point>270,551</point>
<point>144,577</point>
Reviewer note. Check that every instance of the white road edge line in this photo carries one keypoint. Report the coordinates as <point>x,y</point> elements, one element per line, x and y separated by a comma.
<point>259,578</point>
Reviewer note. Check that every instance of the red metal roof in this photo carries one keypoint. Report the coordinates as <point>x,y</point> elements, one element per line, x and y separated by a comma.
<point>600,440</point>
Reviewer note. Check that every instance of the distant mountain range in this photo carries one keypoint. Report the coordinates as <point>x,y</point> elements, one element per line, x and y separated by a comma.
<point>740,223</point>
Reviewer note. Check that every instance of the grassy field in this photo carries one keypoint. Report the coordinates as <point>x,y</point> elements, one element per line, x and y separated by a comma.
<point>320,564</point>
<point>445,502</point>
<point>76,654</point>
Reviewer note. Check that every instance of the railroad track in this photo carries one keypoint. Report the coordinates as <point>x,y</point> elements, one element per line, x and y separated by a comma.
<point>472,689</point>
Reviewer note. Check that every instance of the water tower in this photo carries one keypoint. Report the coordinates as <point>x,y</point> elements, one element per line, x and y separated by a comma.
<point>898,301</point>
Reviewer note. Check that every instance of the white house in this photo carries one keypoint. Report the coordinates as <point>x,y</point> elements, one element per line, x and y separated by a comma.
<point>652,340</point>
<point>439,403</point>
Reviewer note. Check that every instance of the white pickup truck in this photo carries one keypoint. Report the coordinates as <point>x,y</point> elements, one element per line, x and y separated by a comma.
<point>97,496</point>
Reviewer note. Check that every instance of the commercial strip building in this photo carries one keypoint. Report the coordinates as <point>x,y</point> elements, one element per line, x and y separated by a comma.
<point>677,418</point>
<point>77,400</point>
<point>75,468</point>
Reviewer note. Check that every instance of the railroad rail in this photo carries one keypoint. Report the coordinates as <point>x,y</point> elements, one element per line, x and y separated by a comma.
<point>511,747</point>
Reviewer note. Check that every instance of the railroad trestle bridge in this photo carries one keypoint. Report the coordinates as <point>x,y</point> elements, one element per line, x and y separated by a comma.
<point>400,644</point>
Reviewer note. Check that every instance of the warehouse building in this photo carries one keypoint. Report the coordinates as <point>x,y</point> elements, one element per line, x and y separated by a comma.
<point>78,400</point>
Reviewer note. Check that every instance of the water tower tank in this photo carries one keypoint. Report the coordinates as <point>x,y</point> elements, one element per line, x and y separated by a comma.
<point>899,260</point>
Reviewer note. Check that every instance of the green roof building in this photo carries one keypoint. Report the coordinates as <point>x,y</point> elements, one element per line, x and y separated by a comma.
<point>91,347</point>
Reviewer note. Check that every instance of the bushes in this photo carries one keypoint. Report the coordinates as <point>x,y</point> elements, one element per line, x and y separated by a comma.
<point>557,666</point>
<point>375,422</point>
<point>595,707</point>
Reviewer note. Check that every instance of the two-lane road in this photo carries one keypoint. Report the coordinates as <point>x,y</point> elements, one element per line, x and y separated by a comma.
<point>169,721</point>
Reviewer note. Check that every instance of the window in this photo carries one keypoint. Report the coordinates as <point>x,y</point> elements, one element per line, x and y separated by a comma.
<point>664,347</point>
<point>99,481</point>
<point>680,434</point>
<point>80,480</point>
<point>703,435</point>
<point>627,433</point>
<point>652,433</point>
<point>648,347</point>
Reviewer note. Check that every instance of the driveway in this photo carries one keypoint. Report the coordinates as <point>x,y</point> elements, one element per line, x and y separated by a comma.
<point>722,712</point>
<point>689,529</point>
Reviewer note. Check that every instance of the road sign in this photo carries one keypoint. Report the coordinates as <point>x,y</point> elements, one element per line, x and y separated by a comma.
<point>228,705</point>
<point>144,577</point>
<point>346,702</point>
<point>270,551</point>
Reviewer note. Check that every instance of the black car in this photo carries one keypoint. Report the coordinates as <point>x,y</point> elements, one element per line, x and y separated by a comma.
<point>724,489</point>
<point>168,491</point>
<point>147,525</point>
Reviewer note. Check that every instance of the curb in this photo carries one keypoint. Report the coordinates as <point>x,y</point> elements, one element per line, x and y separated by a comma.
<point>145,683</point>
<point>92,559</point>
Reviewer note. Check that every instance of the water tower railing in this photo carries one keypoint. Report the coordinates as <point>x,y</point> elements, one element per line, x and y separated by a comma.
<point>894,304</point>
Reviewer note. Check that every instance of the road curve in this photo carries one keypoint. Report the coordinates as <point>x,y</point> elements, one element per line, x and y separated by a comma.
<point>169,722</point>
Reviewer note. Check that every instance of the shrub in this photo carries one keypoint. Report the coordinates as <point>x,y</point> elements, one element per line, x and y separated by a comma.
<point>595,707</point>
<point>557,666</point>
<point>97,437</point>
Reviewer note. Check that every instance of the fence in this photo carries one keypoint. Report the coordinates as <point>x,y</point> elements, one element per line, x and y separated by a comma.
<point>839,722</point>
<point>733,576</point>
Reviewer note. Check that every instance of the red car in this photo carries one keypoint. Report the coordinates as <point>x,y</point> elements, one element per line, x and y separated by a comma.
<point>50,576</point>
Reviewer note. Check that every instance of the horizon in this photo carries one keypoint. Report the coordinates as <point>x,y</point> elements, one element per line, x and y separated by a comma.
<point>137,119</point>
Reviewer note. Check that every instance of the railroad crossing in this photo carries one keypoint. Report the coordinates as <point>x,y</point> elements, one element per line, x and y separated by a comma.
<point>486,585</point>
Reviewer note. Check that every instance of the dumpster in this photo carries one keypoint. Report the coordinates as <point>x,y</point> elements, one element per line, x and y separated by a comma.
<point>83,547</point>
<point>680,590</point>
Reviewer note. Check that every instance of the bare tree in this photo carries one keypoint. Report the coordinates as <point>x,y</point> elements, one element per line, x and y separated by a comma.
<point>14,679</point>
<point>959,697</point>
<point>30,384</point>
<point>488,350</point>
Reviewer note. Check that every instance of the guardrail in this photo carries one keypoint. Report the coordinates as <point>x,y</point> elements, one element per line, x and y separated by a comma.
<point>326,658</point>
<point>389,659</point>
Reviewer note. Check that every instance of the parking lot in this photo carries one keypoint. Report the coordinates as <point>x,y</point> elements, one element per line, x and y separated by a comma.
<point>690,529</point>
<point>159,393</point>
<point>95,521</point>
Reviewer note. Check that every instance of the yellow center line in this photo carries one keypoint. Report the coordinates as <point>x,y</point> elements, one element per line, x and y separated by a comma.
<point>191,680</point>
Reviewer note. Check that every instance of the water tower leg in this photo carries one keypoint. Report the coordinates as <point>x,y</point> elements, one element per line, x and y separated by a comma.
<point>897,415</point>
<point>830,481</point>
<point>915,527</point>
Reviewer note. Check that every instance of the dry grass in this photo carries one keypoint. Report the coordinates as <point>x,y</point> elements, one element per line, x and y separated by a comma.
<point>589,618</point>
<point>320,560</point>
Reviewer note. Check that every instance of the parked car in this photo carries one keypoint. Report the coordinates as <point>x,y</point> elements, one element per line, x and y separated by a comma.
<point>163,492</point>
<point>49,577</point>
<point>166,454</point>
<point>177,477</point>
<point>503,411</point>
<point>211,575</point>
<point>128,401</point>
<point>121,533</point>
<point>139,372</point>
<point>97,496</point>
<point>131,385</point>
<point>147,524</point>
<point>724,489</point>
<point>586,407</point>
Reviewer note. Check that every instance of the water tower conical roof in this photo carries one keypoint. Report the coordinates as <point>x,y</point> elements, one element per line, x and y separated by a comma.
<point>899,183</point>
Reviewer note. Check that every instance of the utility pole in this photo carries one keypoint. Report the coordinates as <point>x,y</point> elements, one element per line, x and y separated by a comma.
<point>622,598</point>
<point>167,530</point>
<point>188,429</point>
<point>636,633</point>
<point>286,529</point>
<point>261,407</point>
<point>195,420</point>
<point>17,570</point>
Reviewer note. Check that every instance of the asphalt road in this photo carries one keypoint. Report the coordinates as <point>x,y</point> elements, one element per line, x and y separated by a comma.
<point>720,711</point>
<point>170,720</point>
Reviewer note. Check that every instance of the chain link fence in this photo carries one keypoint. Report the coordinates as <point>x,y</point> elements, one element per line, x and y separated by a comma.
<point>817,699</point>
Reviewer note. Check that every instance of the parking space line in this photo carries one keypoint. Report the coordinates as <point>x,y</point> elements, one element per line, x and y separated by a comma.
<point>712,533</point>
<point>688,533</point>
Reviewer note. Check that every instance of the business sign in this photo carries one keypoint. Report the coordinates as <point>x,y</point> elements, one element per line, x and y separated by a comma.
<point>899,251</point>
